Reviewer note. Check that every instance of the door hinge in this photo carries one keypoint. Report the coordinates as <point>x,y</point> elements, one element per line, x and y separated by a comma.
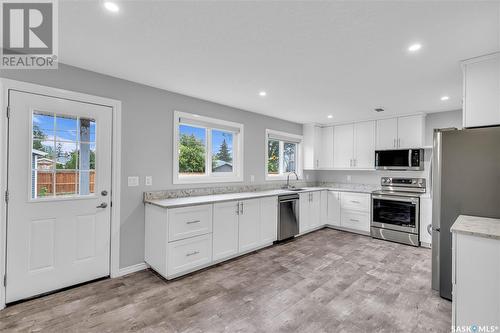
<point>8,112</point>
<point>6,196</point>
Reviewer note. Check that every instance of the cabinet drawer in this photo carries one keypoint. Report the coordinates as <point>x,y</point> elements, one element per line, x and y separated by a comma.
<point>188,254</point>
<point>355,220</point>
<point>189,221</point>
<point>355,201</point>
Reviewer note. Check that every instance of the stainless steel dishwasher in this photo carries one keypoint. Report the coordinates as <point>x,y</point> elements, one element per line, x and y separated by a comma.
<point>288,216</point>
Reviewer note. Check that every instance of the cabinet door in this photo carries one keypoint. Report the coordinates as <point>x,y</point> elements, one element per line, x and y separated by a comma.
<point>310,145</point>
<point>315,210</point>
<point>425,220</point>
<point>324,208</point>
<point>364,145</point>
<point>225,230</point>
<point>343,144</point>
<point>482,92</point>
<point>249,226</point>
<point>333,208</point>
<point>268,220</point>
<point>387,133</point>
<point>411,131</point>
<point>325,148</point>
<point>304,207</point>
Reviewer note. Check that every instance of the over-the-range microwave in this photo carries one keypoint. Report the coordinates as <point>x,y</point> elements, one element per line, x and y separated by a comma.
<point>399,159</point>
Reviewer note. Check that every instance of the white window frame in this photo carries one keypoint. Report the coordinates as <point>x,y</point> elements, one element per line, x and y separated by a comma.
<point>209,177</point>
<point>283,136</point>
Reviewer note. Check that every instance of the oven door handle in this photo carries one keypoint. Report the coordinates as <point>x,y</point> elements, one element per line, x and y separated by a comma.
<point>393,198</point>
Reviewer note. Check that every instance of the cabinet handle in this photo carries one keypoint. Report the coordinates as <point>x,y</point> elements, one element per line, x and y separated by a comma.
<point>354,201</point>
<point>317,163</point>
<point>241,209</point>
<point>238,208</point>
<point>394,143</point>
<point>354,220</point>
<point>399,143</point>
<point>192,253</point>
<point>355,162</point>
<point>193,222</point>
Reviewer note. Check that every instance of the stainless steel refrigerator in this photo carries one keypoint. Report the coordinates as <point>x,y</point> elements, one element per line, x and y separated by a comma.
<point>465,180</point>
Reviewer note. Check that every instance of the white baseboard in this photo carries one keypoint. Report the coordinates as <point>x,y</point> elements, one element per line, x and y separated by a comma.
<point>132,269</point>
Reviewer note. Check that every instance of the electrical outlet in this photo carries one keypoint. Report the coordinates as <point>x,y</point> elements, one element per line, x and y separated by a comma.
<point>252,178</point>
<point>349,178</point>
<point>307,177</point>
<point>149,180</point>
<point>133,181</point>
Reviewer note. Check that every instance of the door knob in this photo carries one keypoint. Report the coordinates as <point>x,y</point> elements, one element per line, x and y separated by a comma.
<point>102,205</point>
<point>104,193</point>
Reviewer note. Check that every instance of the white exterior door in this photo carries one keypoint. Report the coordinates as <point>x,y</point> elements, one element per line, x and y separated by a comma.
<point>225,229</point>
<point>249,228</point>
<point>59,180</point>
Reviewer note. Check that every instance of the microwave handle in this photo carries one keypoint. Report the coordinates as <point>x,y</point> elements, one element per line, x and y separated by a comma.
<point>409,158</point>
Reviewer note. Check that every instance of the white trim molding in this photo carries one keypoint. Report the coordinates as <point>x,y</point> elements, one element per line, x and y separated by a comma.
<point>5,86</point>
<point>132,269</point>
<point>284,136</point>
<point>209,123</point>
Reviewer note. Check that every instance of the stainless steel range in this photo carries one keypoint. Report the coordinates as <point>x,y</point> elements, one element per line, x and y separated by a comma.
<point>396,210</point>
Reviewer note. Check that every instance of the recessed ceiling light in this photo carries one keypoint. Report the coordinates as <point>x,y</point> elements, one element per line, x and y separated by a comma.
<point>262,93</point>
<point>445,98</point>
<point>415,47</point>
<point>330,116</point>
<point>111,6</point>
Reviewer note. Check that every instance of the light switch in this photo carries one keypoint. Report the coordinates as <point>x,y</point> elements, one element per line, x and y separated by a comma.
<point>149,180</point>
<point>307,177</point>
<point>133,181</point>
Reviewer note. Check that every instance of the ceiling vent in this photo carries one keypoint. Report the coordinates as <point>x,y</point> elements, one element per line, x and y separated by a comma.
<point>379,109</point>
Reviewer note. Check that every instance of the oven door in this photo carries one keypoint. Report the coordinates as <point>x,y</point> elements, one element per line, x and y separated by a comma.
<point>396,213</point>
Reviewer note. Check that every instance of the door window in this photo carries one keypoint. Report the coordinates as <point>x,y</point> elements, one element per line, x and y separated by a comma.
<point>63,155</point>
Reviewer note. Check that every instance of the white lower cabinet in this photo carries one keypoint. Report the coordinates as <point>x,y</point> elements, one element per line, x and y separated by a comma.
<point>187,254</point>
<point>249,226</point>
<point>349,211</point>
<point>225,231</point>
<point>309,211</point>
<point>268,220</point>
<point>181,240</point>
<point>333,208</point>
<point>475,281</point>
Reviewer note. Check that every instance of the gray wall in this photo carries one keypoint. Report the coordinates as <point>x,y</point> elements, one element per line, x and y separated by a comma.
<point>147,122</point>
<point>432,121</point>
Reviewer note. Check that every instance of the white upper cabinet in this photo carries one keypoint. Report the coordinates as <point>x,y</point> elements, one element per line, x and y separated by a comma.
<point>481,100</point>
<point>343,143</point>
<point>401,132</point>
<point>387,133</point>
<point>318,147</point>
<point>364,145</point>
<point>325,148</point>
<point>411,131</point>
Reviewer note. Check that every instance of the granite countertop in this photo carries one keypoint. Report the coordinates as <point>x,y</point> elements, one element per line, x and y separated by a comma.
<point>477,226</point>
<point>206,199</point>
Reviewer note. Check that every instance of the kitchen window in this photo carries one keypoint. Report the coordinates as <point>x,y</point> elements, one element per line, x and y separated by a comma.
<point>206,150</point>
<point>283,154</point>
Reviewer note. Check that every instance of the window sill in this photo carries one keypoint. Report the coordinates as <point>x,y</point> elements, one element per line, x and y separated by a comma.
<point>207,180</point>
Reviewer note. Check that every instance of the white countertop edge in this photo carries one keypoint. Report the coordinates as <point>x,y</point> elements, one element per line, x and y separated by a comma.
<point>214,198</point>
<point>477,226</point>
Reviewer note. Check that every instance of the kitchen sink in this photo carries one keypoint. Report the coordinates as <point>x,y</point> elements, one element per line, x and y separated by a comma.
<point>295,189</point>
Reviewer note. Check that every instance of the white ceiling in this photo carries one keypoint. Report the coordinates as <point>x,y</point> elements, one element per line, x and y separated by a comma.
<point>313,58</point>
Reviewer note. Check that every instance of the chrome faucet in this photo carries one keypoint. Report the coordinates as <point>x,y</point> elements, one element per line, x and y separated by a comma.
<point>288,179</point>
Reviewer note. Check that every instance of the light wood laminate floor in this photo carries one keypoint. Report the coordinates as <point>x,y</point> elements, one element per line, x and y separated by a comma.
<point>327,281</point>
